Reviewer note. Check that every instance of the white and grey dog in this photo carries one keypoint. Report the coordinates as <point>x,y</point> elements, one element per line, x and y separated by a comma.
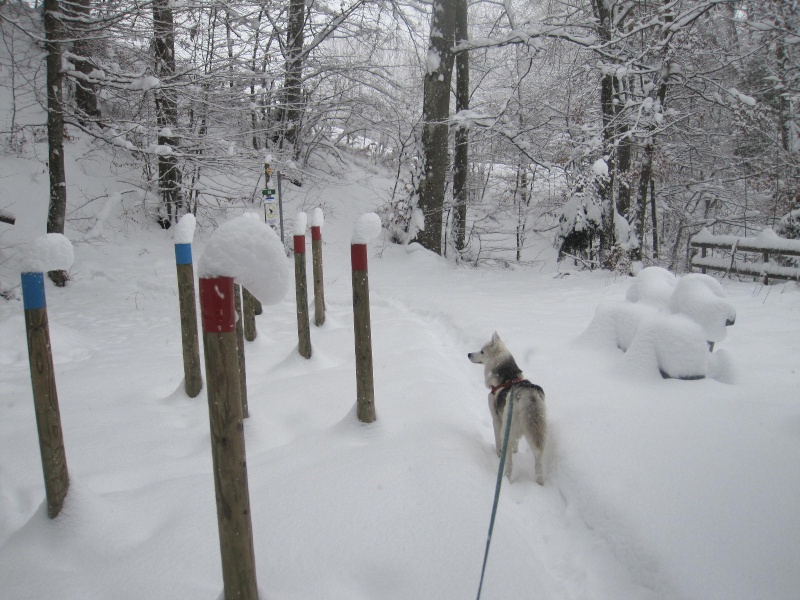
<point>506,384</point>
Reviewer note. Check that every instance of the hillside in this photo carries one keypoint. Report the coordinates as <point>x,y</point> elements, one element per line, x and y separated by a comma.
<point>654,488</point>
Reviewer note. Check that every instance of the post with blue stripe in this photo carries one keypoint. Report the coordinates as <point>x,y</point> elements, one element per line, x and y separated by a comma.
<point>193,379</point>
<point>45,397</point>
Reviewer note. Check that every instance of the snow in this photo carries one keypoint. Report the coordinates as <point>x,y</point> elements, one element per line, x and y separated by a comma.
<point>317,217</point>
<point>702,298</point>
<point>665,323</point>
<point>184,230</point>
<point>655,489</point>
<point>367,228</point>
<point>300,223</point>
<point>766,240</point>
<point>148,82</point>
<point>600,168</point>
<point>251,252</point>
<point>50,252</point>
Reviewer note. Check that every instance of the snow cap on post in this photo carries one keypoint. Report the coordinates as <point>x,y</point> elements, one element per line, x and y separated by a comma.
<point>50,252</point>
<point>317,217</point>
<point>317,220</point>
<point>184,230</point>
<point>367,228</point>
<point>300,223</point>
<point>249,251</point>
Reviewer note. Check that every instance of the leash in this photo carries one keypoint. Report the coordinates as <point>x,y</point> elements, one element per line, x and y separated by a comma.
<point>497,490</point>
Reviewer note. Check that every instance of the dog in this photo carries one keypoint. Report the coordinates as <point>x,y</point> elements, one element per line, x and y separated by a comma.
<point>506,384</point>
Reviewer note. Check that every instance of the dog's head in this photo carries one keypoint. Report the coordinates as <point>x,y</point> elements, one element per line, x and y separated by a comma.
<point>491,350</point>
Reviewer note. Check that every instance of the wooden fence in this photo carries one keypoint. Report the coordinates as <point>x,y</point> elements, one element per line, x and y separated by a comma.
<point>753,256</point>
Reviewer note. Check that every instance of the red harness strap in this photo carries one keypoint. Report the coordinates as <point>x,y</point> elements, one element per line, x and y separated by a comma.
<point>506,384</point>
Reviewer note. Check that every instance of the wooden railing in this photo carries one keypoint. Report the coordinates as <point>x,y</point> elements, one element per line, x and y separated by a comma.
<point>732,254</point>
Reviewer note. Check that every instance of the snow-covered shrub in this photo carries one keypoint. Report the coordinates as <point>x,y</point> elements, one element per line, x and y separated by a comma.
<point>665,323</point>
<point>580,223</point>
<point>789,228</point>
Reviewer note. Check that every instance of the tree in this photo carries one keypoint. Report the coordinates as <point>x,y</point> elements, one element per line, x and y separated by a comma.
<point>435,122</point>
<point>169,173</point>
<point>57,211</point>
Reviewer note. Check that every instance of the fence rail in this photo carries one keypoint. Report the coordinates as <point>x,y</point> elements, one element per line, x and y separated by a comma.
<point>767,244</point>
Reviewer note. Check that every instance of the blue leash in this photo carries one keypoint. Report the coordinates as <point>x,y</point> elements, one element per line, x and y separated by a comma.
<point>497,489</point>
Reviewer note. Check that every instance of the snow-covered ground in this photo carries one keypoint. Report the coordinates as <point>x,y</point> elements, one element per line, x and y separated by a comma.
<point>655,489</point>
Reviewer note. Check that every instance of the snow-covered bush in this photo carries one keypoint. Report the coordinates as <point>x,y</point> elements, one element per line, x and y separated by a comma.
<point>580,223</point>
<point>666,323</point>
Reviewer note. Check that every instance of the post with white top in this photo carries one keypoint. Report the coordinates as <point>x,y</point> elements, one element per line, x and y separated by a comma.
<point>248,251</point>
<point>366,228</point>
<point>227,437</point>
<point>50,252</point>
<point>184,234</point>
<point>317,219</point>
<point>301,285</point>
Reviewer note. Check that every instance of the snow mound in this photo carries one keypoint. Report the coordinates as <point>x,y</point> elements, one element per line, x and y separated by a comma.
<point>367,227</point>
<point>300,223</point>
<point>702,298</point>
<point>251,252</point>
<point>184,230</point>
<point>667,324</point>
<point>317,217</point>
<point>652,285</point>
<point>50,252</point>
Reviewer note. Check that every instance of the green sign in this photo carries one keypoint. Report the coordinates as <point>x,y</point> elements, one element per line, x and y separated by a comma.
<point>268,192</point>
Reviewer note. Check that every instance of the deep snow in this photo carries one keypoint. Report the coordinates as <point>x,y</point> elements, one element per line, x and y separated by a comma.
<point>655,489</point>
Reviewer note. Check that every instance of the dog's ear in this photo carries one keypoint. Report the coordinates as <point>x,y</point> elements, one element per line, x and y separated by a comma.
<point>495,338</point>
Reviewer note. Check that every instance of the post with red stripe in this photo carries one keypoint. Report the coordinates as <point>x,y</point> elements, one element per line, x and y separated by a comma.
<point>249,251</point>
<point>49,252</point>
<point>184,234</point>
<point>317,220</point>
<point>301,285</point>
<point>366,228</point>
<point>227,437</point>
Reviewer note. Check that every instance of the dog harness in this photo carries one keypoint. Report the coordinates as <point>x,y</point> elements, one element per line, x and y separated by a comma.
<point>506,385</point>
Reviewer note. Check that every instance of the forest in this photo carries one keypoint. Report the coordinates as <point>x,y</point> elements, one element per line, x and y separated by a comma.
<point>620,128</point>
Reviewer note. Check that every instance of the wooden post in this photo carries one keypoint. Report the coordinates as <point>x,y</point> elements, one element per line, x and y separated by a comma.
<point>45,397</point>
<point>365,394</point>
<point>766,262</point>
<point>193,380</point>
<point>703,253</point>
<point>249,304</point>
<point>227,438</point>
<point>316,262</point>
<point>237,303</point>
<point>301,294</point>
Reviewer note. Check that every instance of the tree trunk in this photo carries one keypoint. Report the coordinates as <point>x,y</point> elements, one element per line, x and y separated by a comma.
<point>169,174</point>
<point>291,111</point>
<point>85,49</point>
<point>435,114</point>
<point>461,150</point>
<point>57,211</point>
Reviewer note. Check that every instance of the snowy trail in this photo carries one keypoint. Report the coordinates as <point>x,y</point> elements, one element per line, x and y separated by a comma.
<point>655,489</point>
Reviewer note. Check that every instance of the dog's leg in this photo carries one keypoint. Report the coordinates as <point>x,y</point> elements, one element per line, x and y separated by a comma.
<point>536,442</point>
<point>512,436</point>
<point>497,423</point>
